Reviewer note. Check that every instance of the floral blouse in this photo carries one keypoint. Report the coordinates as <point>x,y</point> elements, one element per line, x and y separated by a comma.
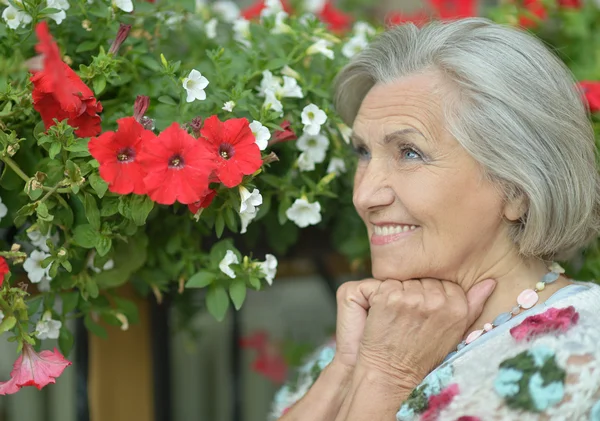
<point>544,364</point>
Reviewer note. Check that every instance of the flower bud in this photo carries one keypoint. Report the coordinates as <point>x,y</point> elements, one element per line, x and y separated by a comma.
<point>124,321</point>
<point>196,125</point>
<point>140,106</point>
<point>284,134</point>
<point>15,247</point>
<point>147,123</point>
<point>122,34</point>
<point>272,157</point>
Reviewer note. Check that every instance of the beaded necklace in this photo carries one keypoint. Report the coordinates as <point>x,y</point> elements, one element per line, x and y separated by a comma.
<point>526,299</point>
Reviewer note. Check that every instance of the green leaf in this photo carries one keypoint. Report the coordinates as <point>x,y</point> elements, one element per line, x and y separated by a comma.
<point>276,63</point>
<point>217,302</point>
<point>55,148</point>
<point>91,288</point>
<point>128,257</point>
<point>201,279</point>
<point>33,304</point>
<point>99,83</point>
<point>128,308</point>
<point>85,236</point>
<point>9,322</point>
<point>141,206</point>
<point>231,220</point>
<point>98,184</point>
<point>103,244</point>
<point>65,341</point>
<point>165,99</point>
<point>219,224</point>
<point>255,282</point>
<point>94,327</point>
<point>91,211</point>
<point>109,206</point>
<point>237,292</point>
<point>284,205</point>
<point>125,206</point>
<point>86,46</point>
<point>69,300</point>
<point>151,63</point>
<point>67,265</point>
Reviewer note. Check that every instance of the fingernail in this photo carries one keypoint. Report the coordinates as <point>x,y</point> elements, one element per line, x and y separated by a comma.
<point>491,284</point>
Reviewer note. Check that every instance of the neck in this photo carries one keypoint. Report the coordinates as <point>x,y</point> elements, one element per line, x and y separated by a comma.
<point>513,274</point>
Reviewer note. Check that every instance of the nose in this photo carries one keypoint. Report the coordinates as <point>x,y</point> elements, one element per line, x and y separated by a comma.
<point>372,189</point>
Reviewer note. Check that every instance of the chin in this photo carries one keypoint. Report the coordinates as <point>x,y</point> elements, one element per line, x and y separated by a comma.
<point>387,268</point>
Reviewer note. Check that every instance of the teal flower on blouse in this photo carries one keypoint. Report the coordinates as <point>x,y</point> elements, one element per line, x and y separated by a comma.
<point>545,396</point>
<point>541,354</point>
<point>507,382</point>
<point>437,380</point>
<point>406,413</point>
<point>282,395</point>
<point>325,357</point>
<point>595,412</point>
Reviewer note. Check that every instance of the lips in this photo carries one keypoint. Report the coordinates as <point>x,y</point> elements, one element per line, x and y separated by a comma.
<point>389,233</point>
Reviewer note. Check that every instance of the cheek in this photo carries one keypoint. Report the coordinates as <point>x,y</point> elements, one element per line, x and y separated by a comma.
<point>358,178</point>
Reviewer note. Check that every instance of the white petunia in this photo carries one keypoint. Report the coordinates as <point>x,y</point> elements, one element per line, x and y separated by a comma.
<point>228,10</point>
<point>124,5</point>
<point>246,218</point>
<point>336,165</point>
<point>314,6</point>
<point>314,146</point>
<point>210,28</point>
<point>241,31</point>
<point>313,118</point>
<point>290,88</point>
<point>303,213</point>
<point>271,102</point>
<point>3,209</point>
<point>249,201</point>
<point>261,134</point>
<point>280,26</point>
<point>345,131</point>
<point>47,328</point>
<point>229,259</point>
<point>320,47</point>
<point>272,7</point>
<point>61,5</point>
<point>354,46</point>
<point>305,162</point>
<point>194,85</point>
<point>286,87</point>
<point>39,240</point>
<point>363,28</point>
<point>33,266</point>
<point>15,17</point>
<point>228,106</point>
<point>288,71</point>
<point>269,268</point>
<point>1,316</point>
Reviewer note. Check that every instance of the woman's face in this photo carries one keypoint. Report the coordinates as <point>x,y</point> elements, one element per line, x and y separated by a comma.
<point>428,208</point>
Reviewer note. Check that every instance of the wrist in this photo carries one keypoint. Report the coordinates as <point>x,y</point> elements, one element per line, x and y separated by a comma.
<point>398,381</point>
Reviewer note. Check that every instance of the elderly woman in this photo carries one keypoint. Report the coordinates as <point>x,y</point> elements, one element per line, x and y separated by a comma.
<point>476,168</point>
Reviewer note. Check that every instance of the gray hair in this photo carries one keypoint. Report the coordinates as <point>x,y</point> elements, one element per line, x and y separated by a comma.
<point>519,114</point>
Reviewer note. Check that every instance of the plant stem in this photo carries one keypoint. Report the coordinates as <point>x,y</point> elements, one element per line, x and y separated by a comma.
<point>15,167</point>
<point>50,192</point>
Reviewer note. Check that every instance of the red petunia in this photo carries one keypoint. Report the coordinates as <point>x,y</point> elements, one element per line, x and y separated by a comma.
<point>454,9</point>
<point>204,202</point>
<point>575,4</point>
<point>177,166</point>
<point>4,269</point>
<point>33,369</point>
<point>118,154</point>
<point>232,149</point>
<point>534,12</point>
<point>552,320</point>
<point>591,91</point>
<point>59,93</point>
<point>336,20</point>
<point>284,133</point>
<point>253,11</point>
<point>437,403</point>
<point>419,18</point>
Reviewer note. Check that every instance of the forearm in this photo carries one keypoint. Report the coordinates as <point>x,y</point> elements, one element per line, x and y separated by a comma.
<point>374,395</point>
<point>323,400</point>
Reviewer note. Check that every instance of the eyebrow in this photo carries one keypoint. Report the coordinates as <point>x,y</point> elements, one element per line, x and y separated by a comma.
<point>390,136</point>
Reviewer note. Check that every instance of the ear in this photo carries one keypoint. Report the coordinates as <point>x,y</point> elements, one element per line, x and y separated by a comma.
<point>516,206</point>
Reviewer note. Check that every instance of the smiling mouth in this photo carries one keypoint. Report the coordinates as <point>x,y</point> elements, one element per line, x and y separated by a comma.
<point>392,229</point>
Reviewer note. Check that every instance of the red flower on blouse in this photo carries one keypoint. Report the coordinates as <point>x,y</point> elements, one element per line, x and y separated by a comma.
<point>33,369</point>
<point>269,361</point>
<point>454,9</point>
<point>177,166</point>
<point>437,403</point>
<point>4,269</point>
<point>204,202</point>
<point>118,154</point>
<point>59,93</point>
<point>336,20</point>
<point>591,91</point>
<point>552,320</point>
<point>232,147</point>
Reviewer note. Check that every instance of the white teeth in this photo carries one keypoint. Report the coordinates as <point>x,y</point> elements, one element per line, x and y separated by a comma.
<point>392,229</point>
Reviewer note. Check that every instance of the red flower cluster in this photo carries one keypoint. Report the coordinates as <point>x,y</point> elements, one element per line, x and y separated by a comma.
<point>4,269</point>
<point>552,320</point>
<point>437,403</point>
<point>591,91</point>
<point>175,166</point>
<point>33,369</point>
<point>442,9</point>
<point>269,361</point>
<point>59,93</point>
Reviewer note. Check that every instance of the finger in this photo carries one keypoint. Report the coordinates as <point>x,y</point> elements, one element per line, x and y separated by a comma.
<point>476,298</point>
<point>433,284</point>
<point>412,284</point>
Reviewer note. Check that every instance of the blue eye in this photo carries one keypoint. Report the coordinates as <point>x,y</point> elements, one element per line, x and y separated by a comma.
<point>410,154</point>
<point>362,152</point>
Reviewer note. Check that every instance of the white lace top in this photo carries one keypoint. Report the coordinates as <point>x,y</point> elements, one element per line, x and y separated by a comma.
<point>544,364</point>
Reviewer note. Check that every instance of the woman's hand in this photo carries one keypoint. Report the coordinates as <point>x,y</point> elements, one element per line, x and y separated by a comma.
<point>412,325</point>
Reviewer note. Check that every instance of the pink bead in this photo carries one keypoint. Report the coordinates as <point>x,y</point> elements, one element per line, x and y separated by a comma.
<point>527,298</point>
<point>487,327</point>
<point>473,335</point>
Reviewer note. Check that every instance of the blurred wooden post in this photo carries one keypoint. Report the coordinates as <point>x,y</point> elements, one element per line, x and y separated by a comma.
<point>120,370</point>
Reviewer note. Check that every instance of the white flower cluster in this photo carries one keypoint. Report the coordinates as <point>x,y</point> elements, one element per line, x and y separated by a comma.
<point>47,328</point>
<point>249,206</point>
<point>303,213</point>
<point>15,16</point>
<point>268,267</point>
<point>359,41</point>
<point>261,134</point>
<point>124,5</point>
<point>194,84</point>
<point>275,88</point>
